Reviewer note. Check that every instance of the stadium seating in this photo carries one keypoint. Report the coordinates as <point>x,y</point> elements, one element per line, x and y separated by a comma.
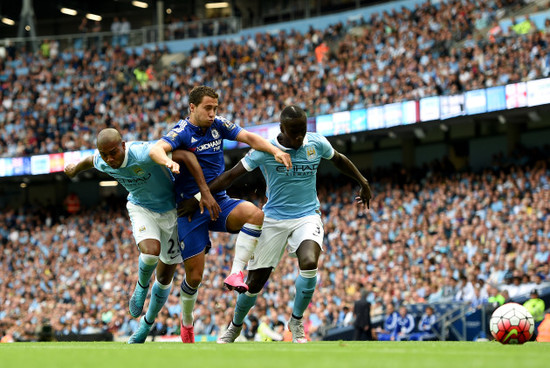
<point>357,71</point>
<point>78,270</point>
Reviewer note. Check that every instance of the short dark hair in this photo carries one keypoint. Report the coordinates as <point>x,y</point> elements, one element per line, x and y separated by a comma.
<point>197,94</point>
<point>292,112</point>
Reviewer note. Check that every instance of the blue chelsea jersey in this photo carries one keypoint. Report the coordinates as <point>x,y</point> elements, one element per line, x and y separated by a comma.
<point>291,193</point>
<point>149,184</point>
<point>207,146</point>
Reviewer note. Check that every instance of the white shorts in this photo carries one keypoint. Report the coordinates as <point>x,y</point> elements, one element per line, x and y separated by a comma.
<point>280,234</point>
<point>147,224</point>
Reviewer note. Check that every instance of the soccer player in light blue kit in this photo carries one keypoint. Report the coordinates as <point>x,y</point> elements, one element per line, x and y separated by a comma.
<point>292,216</point>
<point>203,132</point>
<point>152,211</point>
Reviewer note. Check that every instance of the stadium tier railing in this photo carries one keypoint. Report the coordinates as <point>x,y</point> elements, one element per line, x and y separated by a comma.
<point>434,108</point>
<point>135,37</point>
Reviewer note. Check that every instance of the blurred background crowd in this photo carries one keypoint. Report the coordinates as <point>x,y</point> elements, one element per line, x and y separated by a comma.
<point>433,234</point>
<point>57,100</point>
<point>430,236</point>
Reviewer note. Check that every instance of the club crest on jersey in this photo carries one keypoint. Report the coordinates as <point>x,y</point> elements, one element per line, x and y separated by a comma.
<point>215,134</point>
<point>142,228</point>
<point>139,171</point>
<point>311,153</point>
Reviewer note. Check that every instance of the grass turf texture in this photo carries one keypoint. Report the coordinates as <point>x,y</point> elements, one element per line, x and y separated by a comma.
<point>339,354</point>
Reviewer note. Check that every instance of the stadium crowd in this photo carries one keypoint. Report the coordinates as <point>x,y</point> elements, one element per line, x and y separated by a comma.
<point>431,235</point>
<point>57,100</point>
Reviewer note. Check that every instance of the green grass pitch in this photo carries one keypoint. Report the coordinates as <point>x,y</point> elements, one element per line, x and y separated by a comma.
<point>339,354</point>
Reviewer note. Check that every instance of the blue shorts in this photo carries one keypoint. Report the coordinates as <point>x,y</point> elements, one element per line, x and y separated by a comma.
<point>193,235</point>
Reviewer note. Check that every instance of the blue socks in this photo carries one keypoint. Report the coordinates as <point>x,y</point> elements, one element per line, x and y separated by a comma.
<point>159,295</point>
<point>245,302</point>
<point>305,286</point>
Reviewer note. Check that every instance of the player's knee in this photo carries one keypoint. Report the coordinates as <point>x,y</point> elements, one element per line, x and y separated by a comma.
<point>255,287</point>
<point>308,262</point>
<point>256,217</point>
<point>164,279</point>
<point>193,280</point>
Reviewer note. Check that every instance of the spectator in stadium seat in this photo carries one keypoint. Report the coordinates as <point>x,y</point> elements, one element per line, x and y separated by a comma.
<point>115,30</point>
<point>536,307</point>
<point>292,217</point>
<point>203,133</point>
<point>425,326</point>
<point>390,324</point>
<point>152,211</point>
<point>72,203</point>
<point>124,32</point>
<point>496,299</point>
<point>404,326</point>
<point>266,331</point>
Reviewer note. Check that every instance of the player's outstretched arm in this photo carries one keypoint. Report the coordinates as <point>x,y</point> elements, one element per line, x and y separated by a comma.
<point>345,166</point>
<point>206,199</point>
<point>225,180</point>
<point>261,144</point>
<point>158,153</point>
<point>71,170</point>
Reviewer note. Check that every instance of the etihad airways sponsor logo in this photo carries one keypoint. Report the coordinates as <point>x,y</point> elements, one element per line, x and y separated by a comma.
<point>134,181</point>
<point>298,170</point>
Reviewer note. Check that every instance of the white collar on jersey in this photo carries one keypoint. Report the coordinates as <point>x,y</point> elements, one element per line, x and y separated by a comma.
<point>283,148</point>
<point>125,162</point>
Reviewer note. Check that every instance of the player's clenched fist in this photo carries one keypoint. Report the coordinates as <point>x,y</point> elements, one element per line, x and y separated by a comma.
<point>70,170</point>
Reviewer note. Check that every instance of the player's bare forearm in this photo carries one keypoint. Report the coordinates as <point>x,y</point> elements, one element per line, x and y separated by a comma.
<point>190,161</point>
<point>225,180</point>
<point>206,199</point>
<point>158,153</point>
<point>72,170</point>
<point>346,167</point>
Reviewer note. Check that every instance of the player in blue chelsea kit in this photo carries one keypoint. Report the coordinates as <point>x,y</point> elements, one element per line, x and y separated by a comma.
<point>292,216</point>
<point>203,132</point>
<point>152,211</point>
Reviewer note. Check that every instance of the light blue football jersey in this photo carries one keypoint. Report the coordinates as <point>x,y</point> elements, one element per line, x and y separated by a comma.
<point>291,193</point>
<point>149,184</point>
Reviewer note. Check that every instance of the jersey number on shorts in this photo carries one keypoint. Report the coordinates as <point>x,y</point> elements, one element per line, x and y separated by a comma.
<point>317,231</point>
<point>172,244</point>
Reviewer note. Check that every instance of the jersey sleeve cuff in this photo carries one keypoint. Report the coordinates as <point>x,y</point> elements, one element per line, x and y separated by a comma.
<point>171,143</point>
<point>246,165</point>
<point>331,154</point>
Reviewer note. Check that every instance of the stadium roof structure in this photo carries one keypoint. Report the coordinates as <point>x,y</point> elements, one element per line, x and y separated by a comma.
<point>50,20</point>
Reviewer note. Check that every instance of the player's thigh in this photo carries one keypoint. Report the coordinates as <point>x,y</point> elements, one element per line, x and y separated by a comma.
<point>244,212</point>
<point>144,224</point>
<point>306,228</point>
<point>271,244</point>
<point>170,251</point>
<point>193,236</point>
<point>257,278</point>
